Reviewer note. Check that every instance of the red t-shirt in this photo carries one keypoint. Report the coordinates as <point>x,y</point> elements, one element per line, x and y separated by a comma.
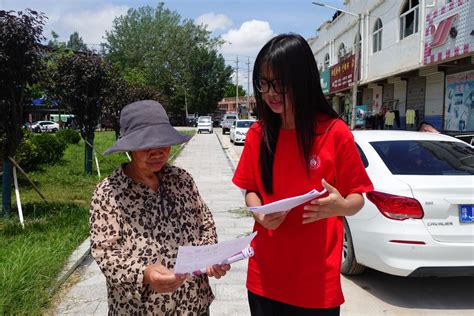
<point>299,264</point>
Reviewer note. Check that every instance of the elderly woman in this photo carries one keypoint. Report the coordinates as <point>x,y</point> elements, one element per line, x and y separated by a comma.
<point>141,214</point>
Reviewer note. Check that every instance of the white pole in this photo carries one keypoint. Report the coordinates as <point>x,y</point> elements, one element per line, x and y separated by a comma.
<point>355,77</point>
<point>97,164</point>
<point>128,156</point>
<point>237,85</point>
<point>18,201</point>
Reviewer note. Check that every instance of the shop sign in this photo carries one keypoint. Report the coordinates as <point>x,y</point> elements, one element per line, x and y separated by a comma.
<point>341,75</point>
<point>448,32</point>
<point>324,78</point>
<point>459,105</point>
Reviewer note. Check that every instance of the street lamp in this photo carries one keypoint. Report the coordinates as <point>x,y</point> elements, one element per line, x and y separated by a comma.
<point>355,78</point>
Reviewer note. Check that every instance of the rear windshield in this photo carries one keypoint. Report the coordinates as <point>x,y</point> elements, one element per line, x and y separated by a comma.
<point>425,157</point>
<point>245,124</point>
<point>204,120</point>
<point>231,117</point>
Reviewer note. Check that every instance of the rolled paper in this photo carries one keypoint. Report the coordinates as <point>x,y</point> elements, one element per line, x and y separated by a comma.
<point>247,252</point>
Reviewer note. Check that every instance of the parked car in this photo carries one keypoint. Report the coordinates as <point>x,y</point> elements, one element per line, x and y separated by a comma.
<point>44,126</point>
<point>418,221</point>
<point>239,130</point>
<point>204,123</point>
<point>191,121</point>
<point>227,122</point>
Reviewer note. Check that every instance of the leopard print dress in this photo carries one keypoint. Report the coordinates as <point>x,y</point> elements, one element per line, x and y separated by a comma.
<point>133,226</point>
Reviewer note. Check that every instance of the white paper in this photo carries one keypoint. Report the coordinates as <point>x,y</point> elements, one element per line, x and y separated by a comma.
<point>286,204</point>
<point>195,258</point>
<point>247,252</point>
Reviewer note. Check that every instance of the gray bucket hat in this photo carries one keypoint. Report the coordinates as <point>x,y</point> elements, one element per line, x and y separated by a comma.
<point>145,125</point>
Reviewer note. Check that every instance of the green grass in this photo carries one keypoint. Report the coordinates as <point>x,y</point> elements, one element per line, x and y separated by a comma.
<point>31,258</point>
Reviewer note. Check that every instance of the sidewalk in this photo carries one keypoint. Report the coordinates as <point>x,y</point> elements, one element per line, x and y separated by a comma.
<point>205,159</point>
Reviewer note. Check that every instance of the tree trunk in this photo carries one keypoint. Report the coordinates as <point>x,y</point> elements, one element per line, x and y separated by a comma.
<point>88,155</point>
<point>7,188</point>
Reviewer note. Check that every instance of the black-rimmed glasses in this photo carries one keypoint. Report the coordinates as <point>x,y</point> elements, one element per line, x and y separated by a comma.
<point>263,85</point>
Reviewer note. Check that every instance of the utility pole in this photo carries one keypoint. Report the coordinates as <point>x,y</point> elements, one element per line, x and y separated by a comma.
<point>248,84</point>
<point>355,78</point>
<point>237,84</point>
<point>185,103</point>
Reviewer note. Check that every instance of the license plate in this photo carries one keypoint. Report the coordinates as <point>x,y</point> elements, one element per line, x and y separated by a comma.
<point>465,214</point>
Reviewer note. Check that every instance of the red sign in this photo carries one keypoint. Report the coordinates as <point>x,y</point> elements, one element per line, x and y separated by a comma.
<point>341,75</point>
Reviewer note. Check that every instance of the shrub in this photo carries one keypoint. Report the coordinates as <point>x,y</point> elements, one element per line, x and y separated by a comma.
<point>27,155</point>
<point>69,136</point>
<point>50,148</point>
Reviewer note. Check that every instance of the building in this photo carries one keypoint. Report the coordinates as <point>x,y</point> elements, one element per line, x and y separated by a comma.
<point>247,105</point>
<point>416,62</point>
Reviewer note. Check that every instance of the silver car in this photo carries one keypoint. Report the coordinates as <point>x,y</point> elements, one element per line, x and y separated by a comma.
<point>204,124</point>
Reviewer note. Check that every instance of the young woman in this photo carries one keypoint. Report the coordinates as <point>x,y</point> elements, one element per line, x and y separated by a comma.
<point>298,144</point>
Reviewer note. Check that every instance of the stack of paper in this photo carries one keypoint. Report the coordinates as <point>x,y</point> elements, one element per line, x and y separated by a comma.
<point>286,204</point>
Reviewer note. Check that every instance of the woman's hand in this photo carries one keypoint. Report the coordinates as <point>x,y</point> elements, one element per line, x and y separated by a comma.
<point>218,270</point>
<point>332,205</point>
<point>270,221</point>
<point>161,279</point>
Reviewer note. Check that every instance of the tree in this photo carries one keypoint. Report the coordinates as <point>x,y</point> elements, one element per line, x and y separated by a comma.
<point>154,47</point>
<point>76,43</point>
<point>80,82</point>
<point>54,42</point>
<point>209,77</point>
<point>230,91</point>
<point>118,93</point>
<point>20,64</point>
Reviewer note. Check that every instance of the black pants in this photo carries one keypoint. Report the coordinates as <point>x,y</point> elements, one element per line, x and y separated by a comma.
<point>262,306</point>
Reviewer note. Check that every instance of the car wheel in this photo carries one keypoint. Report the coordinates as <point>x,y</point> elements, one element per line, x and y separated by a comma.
<point>55,130</point>
<point>349,263</point>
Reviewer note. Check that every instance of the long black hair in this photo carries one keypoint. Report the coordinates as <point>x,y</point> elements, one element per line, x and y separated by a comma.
<point>291,60</point>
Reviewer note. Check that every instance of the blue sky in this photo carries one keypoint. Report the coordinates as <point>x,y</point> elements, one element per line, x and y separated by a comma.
<point>245,25</point>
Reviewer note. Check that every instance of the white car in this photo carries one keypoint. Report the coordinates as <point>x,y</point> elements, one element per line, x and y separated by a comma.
<point>44,126</point>
<point>204,123</point>
<point>239,130</point>
<point>418,221</point>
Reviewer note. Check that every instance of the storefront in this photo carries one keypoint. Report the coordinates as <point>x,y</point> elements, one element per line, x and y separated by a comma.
<point>340,79</point>
<point>449,46</point>
<point>459,109</point>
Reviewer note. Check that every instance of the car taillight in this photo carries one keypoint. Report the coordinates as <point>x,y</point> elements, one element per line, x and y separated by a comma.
<point>395,206</point>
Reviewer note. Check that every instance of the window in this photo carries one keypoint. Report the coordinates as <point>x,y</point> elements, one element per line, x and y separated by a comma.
<point>358,40</point>
<point>341,53</point>
<point>326,62</point>
<point>426,157</point>
<point>409,18</point>
<point>377,44</point>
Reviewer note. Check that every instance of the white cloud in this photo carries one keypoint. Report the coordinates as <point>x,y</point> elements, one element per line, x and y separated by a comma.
<point>245,42</point>
<point>214,21</point>
<point>248,39</point>
<point>90,24</point>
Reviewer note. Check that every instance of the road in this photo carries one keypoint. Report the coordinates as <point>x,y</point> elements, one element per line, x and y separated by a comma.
<point>376,293</point>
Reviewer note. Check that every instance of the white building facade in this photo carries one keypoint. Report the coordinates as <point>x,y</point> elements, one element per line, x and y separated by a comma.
<point>416,62</point>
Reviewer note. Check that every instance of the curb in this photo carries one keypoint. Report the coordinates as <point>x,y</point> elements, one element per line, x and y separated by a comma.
<point>76,258</point>
<point>231,162</point>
